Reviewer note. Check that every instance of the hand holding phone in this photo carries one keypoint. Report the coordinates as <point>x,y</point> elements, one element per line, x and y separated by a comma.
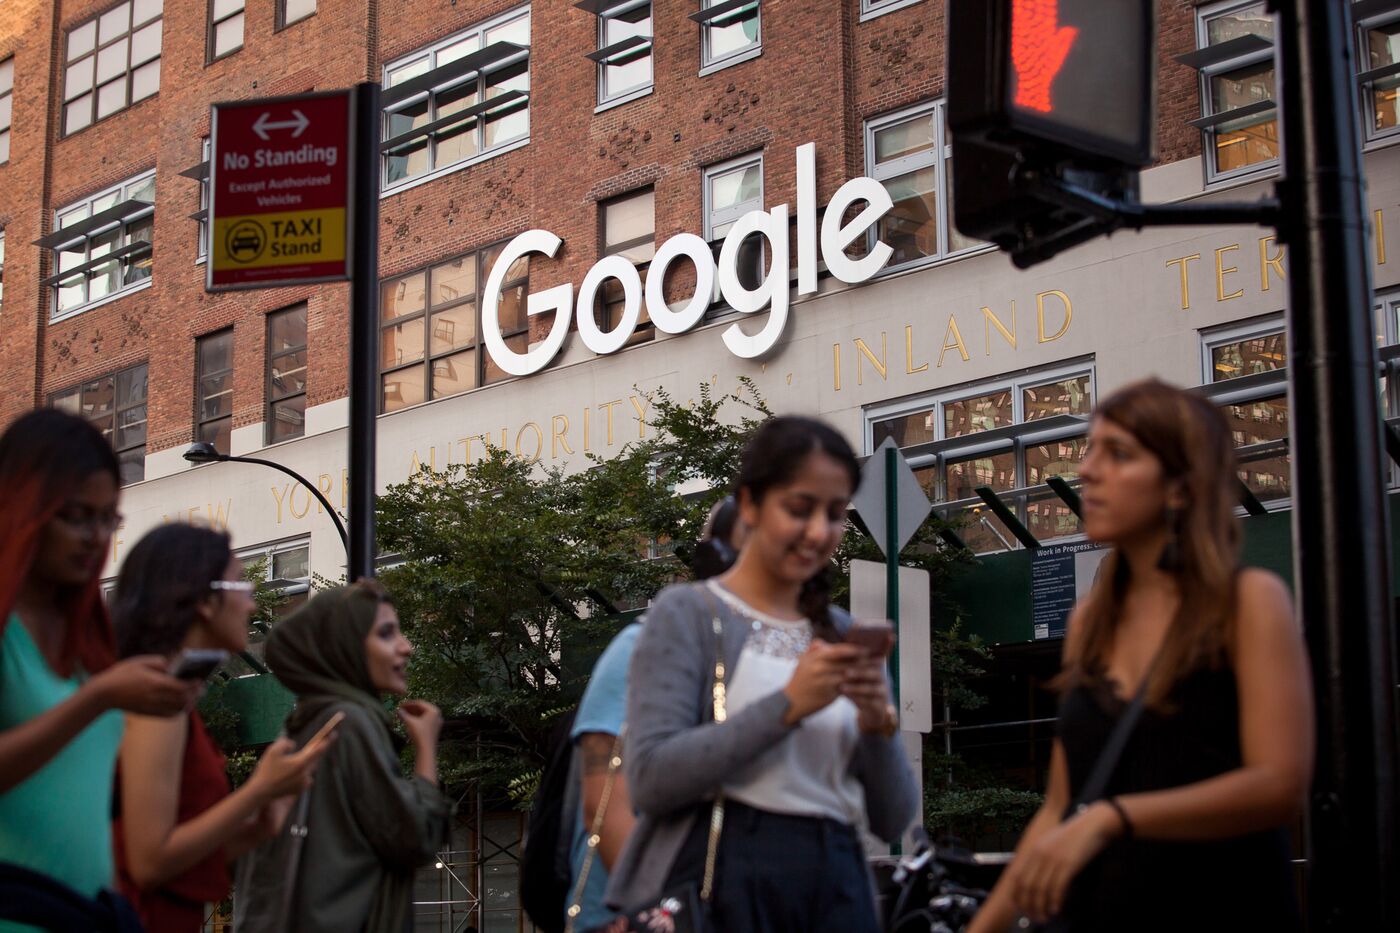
<point>874,635</point>
<point>197,663</point>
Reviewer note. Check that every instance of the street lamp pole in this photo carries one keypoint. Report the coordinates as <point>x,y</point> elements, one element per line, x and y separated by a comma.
<point>208,453</point>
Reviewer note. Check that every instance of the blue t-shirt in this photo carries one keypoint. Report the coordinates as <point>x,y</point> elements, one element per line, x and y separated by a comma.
<point>602,709</point>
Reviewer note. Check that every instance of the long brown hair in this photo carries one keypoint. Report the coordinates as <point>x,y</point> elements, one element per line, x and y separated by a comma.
<point>1192,440</point>
<point>44,456</point>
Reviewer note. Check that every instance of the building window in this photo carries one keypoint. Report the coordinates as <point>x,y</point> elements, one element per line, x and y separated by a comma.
<point>225,28</point>
<point>869,9</point>
<point>910,154</point>
<point>286,374</point>
<point>1378,58</point>
<point>628,230</point>
<point>1246,375</point>
<point>113,61</point>
<point>732,189</point>
<point>430,343</point>
<point>624,50</point>
<point>284,570</point>
<point>201,172</point>
<point>7,105</point>
<point>293,11</point>
<point>116,406</point>
<point>460,100</point>
<point>2,270</point>
<point>102,245</point>
<point>1235,58</point>
<point>730,32</point>
<point>1011,436</point>
<point>214,358</point>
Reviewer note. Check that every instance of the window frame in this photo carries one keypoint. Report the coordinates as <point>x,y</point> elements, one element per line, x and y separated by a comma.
<point>2,270</point>
<point>7,100</point>
<point>481,77</point>
<point>210,54</point>
<point>1205,73</point>
<point>1366,91</point>
<point>645,329</point>
<point>1237,332</point>
<point>201,246</point>
<point>117,410</point>
<point>709,63</point>
<point>280,21</point>
<point>874,9</point>
<point>1015,438</point>
<point>56,243</point>
<point>478,344</point>
<point>939,158</point>
<point>270,398</point>
<point>606,100</point>
<point>67,62</point>
<point>1249,387</point>
<point>199,378</point>
<point>732,214</point>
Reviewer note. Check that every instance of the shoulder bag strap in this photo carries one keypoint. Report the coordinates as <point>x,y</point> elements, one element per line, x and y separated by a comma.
<point>717,811</point>
<point>297,831</point>
<point>1107,761</point>
<point>595,831</point>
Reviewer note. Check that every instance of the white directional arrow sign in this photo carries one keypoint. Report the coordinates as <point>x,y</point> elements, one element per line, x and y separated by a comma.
<point>265,123</point>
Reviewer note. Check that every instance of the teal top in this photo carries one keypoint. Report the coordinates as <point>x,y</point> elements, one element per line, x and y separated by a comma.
<point>58,820</point>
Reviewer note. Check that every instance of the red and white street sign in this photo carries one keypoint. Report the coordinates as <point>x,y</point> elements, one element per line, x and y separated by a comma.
<point>279,191</point>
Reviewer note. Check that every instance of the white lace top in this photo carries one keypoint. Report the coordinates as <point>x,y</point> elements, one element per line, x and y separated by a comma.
<point>806,774</point>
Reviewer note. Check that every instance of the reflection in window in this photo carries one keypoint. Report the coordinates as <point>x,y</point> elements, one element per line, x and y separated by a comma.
<point>96,262</point>
<point>1260,421</point>
<point>909,153</point>
<point>286,374</point>
<point>732,190</point>
<point>627,69</point>
<point>732,36</point>
<point>116,406</point>
<point>1242,80</point>
<point>629,230</point>
<point>1378,49</point>
<point>214,359</point>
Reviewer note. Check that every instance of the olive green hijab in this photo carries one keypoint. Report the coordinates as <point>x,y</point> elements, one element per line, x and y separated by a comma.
<point>318,653</point>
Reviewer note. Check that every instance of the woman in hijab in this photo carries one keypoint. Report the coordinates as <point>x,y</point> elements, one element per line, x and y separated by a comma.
<point>345,859</point>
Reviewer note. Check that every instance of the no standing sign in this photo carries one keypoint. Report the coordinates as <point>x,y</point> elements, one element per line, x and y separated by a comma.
<point>279,188</point>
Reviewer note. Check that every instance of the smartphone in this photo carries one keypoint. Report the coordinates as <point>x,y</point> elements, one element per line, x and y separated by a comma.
<point>197,663</point>
<point>874,635</point>
<point>322,733</point>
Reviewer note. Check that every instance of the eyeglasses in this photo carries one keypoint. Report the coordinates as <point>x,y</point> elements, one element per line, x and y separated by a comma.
<point>236,586</point>
<point>81,518</point>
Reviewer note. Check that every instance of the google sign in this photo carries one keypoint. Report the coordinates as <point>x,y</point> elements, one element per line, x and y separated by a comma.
<point>773,291</point>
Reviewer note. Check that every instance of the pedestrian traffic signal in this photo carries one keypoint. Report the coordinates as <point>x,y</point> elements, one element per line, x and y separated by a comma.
<point>1046,96</point>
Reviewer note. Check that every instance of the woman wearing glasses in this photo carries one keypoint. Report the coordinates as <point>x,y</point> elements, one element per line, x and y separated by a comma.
<point>181,589</point>
<point>60,682</point>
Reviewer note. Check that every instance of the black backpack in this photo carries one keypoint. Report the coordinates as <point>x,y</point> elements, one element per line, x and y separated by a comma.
<point>544,864</point>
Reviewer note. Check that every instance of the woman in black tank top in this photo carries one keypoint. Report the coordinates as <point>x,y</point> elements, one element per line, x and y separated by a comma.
<point>1190,832</point>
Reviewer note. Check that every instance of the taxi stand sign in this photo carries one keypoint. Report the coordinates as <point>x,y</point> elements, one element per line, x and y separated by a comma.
<point>280,172</point>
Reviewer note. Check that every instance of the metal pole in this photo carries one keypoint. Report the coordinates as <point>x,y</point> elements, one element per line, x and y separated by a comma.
<point>892,560</point>
<point>1341,553</point>
<point>364,329</point>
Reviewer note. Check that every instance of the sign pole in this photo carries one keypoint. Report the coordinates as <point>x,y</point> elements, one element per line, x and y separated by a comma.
<point>892,559</point>
<point>364,328</point>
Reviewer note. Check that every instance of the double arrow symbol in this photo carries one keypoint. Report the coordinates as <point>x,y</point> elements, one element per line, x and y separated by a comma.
<point>297,125</point>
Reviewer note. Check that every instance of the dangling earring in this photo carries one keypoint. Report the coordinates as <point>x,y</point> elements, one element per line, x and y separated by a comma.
<point>1171,561</point>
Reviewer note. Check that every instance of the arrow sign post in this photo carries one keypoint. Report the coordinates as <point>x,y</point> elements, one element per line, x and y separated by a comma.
<point>893,505</point>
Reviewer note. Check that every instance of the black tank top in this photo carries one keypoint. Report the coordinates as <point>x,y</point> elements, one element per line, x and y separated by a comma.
<point>1242,883</point>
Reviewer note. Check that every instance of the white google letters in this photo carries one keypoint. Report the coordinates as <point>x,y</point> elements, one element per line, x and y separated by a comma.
<point>772,292</point>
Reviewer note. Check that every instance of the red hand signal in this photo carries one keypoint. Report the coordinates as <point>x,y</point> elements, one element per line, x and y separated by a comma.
<point>1039,45</point>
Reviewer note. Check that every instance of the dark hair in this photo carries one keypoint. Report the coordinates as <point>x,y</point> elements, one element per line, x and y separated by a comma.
<point>164,578</point>
<point>715,552</point>
<point>44,456</point>
<point>771,458</point>
<point>1191,439</point>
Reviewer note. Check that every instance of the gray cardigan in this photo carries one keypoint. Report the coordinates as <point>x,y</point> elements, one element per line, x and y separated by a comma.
<point>677,757</point>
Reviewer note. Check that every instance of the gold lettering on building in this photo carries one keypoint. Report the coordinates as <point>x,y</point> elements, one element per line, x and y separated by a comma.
<point>641,404</point>
<point>218,513</point>
<point>559,437</point>
<point>539,441</point>
<point>344,488</point>
<point>1267,262</point>
<point>1040,314</point>
<point>1221,271</point>
<point>957,341</point>
<point>608,407</point>
<point>1380,238</point>
<point>909,367</point>
<point>417,464</point>
<point>279,493</point>
<point>325,484</point>
<point>836,364</point>
<point>881,365</point>
<point>1185,263</point>
<point>292,500</point>
<point>587,412</point>
<point>991,320</point>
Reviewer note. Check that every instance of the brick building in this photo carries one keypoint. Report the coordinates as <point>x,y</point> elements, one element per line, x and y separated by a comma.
<point>617,126</point>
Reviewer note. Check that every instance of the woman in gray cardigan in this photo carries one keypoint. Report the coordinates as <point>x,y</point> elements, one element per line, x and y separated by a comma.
<point>807,753</point>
